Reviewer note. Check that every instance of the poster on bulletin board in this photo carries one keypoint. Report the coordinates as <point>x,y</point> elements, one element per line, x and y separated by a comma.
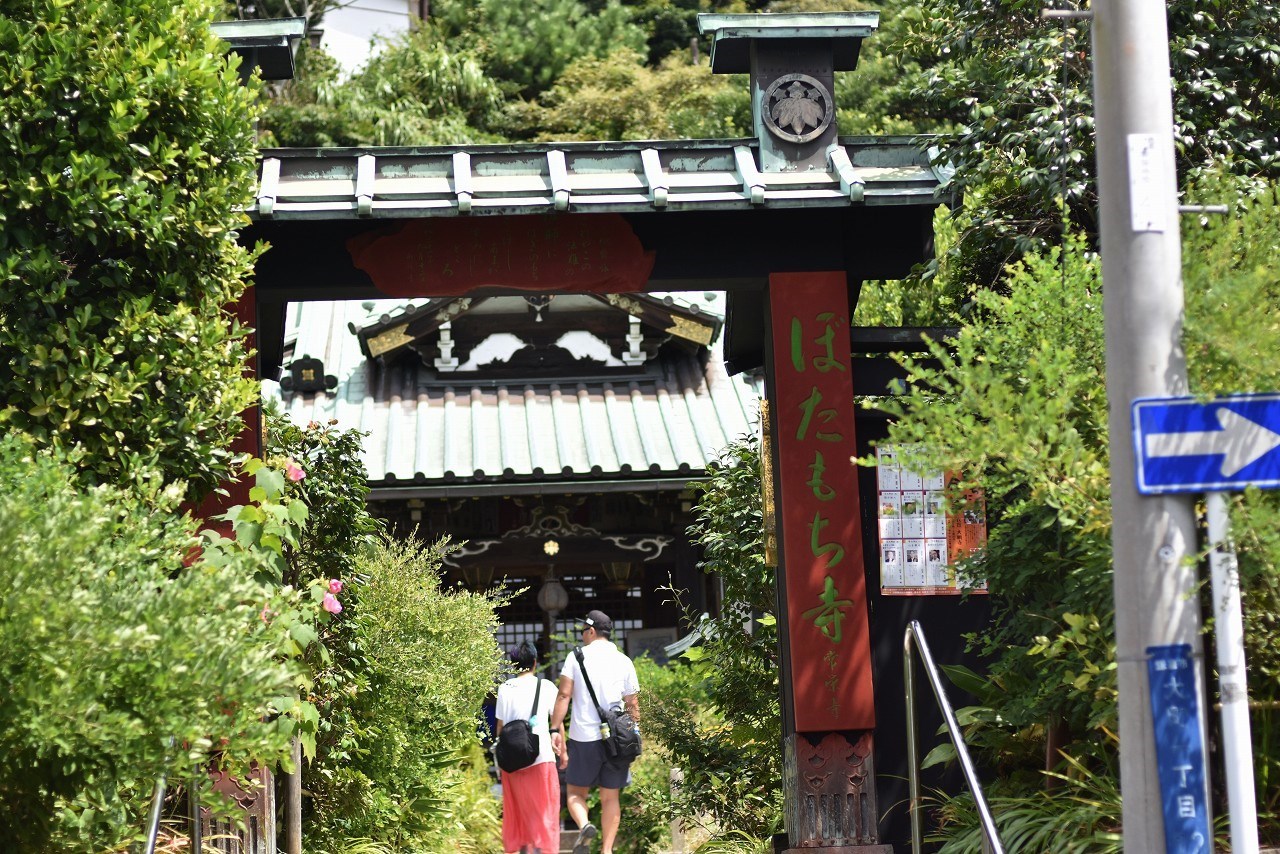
<point>920,542</point>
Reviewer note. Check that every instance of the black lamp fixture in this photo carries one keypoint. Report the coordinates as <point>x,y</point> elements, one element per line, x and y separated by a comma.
<point>266,44</point>
<point>478,576</point>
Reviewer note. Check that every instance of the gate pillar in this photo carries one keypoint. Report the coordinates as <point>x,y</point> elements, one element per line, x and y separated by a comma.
<point>828,704</point>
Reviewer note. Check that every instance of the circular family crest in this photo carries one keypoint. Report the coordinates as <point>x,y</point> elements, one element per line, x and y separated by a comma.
<point>797,108</point>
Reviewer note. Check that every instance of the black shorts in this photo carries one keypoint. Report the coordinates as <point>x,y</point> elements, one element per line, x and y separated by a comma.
<point>590,766</point>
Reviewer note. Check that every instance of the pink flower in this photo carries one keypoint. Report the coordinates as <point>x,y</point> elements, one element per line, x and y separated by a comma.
<point>293,471</point>
<point>266,614</point>
<point>335,585</point>
<point>331,604</point>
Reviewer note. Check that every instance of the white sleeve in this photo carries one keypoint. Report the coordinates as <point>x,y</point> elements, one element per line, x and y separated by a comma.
<point>570,668</point>
<point>547,700</point>
<point>630,683</point>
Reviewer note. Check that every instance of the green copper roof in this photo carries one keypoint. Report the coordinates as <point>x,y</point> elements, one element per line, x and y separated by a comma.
<point>399,183</point>
<point>732,35</point>
<point>454,434</point>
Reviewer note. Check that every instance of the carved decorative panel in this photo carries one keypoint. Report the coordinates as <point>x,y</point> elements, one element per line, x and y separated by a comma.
<point>834,802</point>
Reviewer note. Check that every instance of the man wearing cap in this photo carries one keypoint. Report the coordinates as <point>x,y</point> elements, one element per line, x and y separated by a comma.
<point>614,678</point>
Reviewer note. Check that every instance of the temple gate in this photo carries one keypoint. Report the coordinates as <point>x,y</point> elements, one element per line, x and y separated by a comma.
<point>789,223</point>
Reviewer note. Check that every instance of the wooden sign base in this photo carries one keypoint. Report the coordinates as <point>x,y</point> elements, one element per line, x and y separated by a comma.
<point>830,797</point>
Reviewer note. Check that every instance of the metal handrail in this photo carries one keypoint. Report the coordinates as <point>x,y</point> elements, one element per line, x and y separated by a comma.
<point>153,821</point>
<point>990,836</point>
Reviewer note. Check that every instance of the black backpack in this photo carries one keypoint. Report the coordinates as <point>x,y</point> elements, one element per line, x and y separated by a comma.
<point>518,745</point>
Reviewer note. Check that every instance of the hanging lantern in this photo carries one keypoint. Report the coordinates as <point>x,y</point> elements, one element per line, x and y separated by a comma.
<point>552,597</point>
<point>478,576</point>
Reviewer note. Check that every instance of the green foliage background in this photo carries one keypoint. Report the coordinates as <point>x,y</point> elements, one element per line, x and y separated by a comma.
<point>1018,404</point>
<point>490,71</point>
<point>1019,90</point>
<point>126,147</point>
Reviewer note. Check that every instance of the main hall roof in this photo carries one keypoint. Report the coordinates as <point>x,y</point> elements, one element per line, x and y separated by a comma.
<point>436,436</point>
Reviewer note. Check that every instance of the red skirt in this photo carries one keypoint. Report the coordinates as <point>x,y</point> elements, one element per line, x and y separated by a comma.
<point>531,808</point>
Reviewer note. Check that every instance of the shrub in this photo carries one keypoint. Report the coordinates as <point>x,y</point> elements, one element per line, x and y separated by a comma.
<point>119,665</point>
<point>430,660</point>
<point>1019,405</point>
<point>728,748</point>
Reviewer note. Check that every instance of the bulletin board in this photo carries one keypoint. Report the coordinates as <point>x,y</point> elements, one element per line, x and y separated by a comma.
<point>920,542</point>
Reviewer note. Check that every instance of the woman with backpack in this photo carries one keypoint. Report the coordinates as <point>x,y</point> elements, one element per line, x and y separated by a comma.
<point>531,794</point>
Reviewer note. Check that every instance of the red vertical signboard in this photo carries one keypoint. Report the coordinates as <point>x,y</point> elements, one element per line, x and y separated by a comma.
<point>822,560</point>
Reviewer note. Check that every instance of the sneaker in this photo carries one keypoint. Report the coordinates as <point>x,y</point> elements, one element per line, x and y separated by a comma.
<point>583,845</point>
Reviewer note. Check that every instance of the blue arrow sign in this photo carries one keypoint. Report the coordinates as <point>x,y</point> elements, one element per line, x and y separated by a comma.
<point>1187,445</point>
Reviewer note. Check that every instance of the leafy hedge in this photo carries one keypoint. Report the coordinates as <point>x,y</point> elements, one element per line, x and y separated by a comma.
<point>118,664</point>
<point>727,747</point>
<point>126,155</point>
<point>427,661</point>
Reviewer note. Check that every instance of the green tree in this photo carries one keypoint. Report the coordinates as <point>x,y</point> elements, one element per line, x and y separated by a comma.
<point>1018,404</point>
<point>527,46</point>
<point>126,156</point>
<point>429,661</point>
<point>487,71</point>
<point>311,109</point>
<point>1019,88</point>
<point>418,90</point>
<point>619,97</point>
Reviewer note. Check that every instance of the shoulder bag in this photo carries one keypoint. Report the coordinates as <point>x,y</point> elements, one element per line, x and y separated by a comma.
<point>518,745</point>
<point>621,738</point>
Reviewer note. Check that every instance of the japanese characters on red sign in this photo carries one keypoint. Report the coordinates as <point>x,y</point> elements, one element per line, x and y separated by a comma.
<point>455,256</point>
<point>822,559</point>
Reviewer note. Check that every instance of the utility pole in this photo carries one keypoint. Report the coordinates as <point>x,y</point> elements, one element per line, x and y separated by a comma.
<point>1155,583</point>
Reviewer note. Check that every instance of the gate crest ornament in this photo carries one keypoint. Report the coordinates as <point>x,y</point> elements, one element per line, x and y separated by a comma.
<point>797,108</point>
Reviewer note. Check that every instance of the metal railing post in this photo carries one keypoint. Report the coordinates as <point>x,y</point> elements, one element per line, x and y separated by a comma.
<point>197,823</point>
<point>913,747</point>
<point>153,818</point>
<point>990,836</point>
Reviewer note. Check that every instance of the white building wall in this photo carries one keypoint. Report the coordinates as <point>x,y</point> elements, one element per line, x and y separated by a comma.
<point>351,30</point>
